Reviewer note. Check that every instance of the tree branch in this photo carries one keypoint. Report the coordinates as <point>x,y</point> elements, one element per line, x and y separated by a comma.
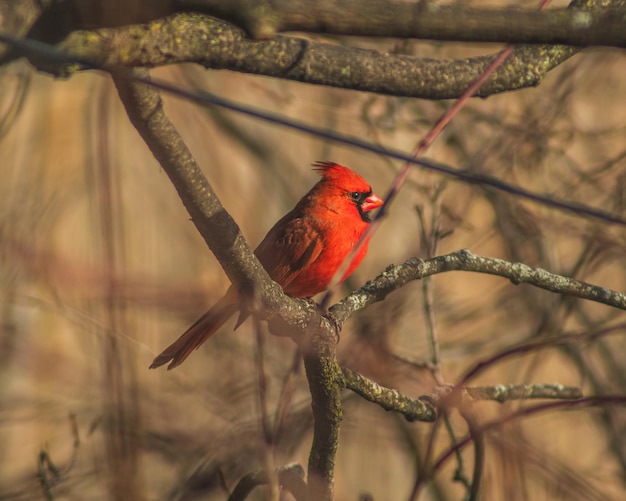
<point>198,38</point>
<point>191,37</point>
<point>323,374</point>
<point>395,277</point>
<point>223,237</point>
<point>145,110</point>
<point>426,20</point>
<point>424,408</point>
<point>387,398</point>
<point>504,392</point>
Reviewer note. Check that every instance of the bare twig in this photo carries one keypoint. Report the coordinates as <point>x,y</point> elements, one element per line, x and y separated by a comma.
<point>531,346</point>
<point>588,402</point>
<point>479,451</point>
<point>286,395</point>
<point>388,399</point>
<point>48,472</point>
<point>290,478</point>
<point>459,471</point>
<point>395,277</point>
<point>267,427</point>
<point>424,408</point>
<point>45,468</point>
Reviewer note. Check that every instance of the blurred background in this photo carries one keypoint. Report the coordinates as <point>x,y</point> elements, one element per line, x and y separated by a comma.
<point>101,268</point>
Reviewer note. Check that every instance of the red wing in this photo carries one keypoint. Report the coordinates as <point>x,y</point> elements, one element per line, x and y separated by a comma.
<point>288,248</point>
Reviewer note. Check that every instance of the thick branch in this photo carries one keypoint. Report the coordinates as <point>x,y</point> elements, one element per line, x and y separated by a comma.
<point>426,20</point>
<point>395,277</point>
<point>222,235</point>
<point>323,374</point>
<point>215,44</point>
<point>194,37</point>
<point>145,109</point>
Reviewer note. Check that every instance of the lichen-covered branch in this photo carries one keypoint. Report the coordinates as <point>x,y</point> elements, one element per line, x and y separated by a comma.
<point>505,392</point>
<point>222,235</point>
<point>424,408</point>
<point>145,109</point>
<point>451,395</point>
<point>395,277</point>
<point>197,38</point>
<point>424,20</point>
<point>387,398</point>
<point>323,375</point>
<point>191,36</point>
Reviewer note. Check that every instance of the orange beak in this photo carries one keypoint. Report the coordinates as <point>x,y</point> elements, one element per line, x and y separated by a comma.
<point>372,202</point>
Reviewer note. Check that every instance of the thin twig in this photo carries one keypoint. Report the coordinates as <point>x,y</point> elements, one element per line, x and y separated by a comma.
<point>588,402</point>
<point>479,450</point>
<point>290,477</point>
<point>531,346</point>
<point>286,394</point>
<point>266,426</point>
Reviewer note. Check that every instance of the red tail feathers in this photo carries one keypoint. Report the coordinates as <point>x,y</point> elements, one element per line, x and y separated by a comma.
<point>207,325</point>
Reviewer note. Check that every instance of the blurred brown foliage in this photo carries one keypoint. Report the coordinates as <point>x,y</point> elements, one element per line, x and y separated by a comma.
<point>100,268</point>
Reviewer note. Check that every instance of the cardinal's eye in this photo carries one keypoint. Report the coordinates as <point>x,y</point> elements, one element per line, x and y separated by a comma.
<point>356,196</point>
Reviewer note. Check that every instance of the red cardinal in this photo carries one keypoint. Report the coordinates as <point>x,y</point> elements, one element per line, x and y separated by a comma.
<point>302,252</point>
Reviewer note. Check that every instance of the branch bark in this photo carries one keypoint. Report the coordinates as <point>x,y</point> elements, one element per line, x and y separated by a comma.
<point>323,375</point>
<point>387,398</point>
<point>427,20</point>
<point>395,277</point>
<point>425,407</point>
<point>222,235</point>
<point>197,38</point>
<point>504,392</point>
